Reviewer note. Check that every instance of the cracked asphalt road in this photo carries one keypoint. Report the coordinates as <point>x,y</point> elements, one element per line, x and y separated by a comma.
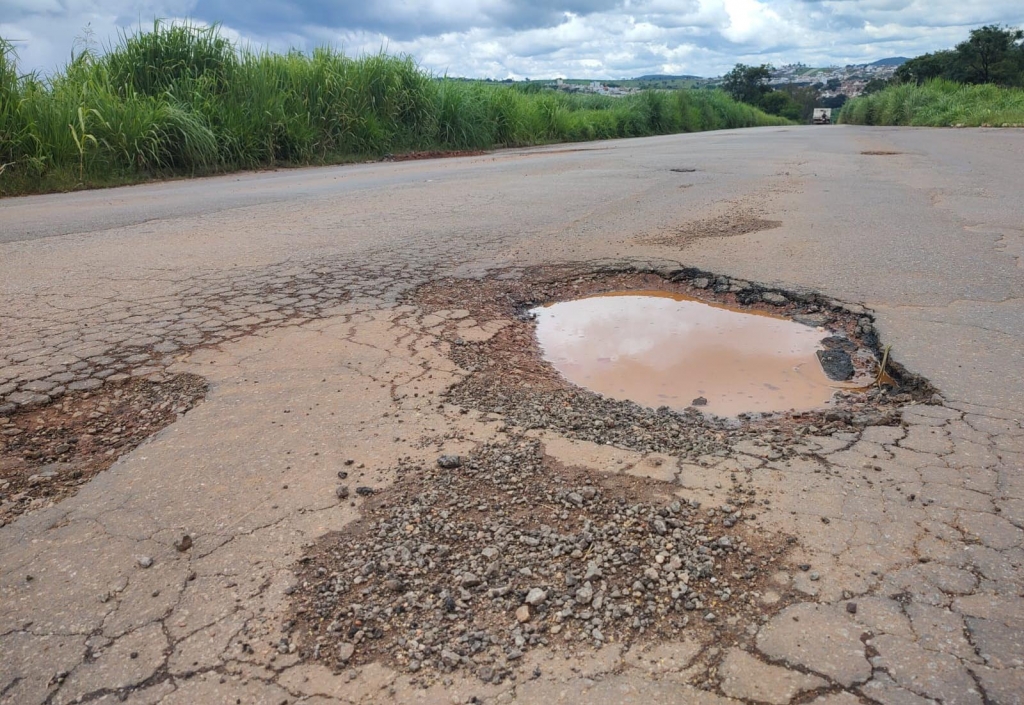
<point>284,290</point>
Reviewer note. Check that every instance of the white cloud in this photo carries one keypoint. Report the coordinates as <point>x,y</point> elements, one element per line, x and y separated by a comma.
<point>535,38</point>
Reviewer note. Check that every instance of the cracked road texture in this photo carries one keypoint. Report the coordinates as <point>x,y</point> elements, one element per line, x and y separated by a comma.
<point>282,289</point>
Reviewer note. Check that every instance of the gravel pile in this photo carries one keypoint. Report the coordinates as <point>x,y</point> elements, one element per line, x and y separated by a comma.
<point>468,566</point>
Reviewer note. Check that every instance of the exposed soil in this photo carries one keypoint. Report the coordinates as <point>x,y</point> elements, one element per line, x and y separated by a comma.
<point>47,453</point>
<point>433,154</point>
<point>730,225</point>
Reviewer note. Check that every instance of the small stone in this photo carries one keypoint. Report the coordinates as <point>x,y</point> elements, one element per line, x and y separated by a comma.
<point>184,544</point>
<point>365,491</point>
<point>773,298</point>
<point>485,673</point>
<point>523,614</point>
<point>145,562</point>
<point>805,567</point>
<point>815,577</point>
<point>585,594</point>
<point>449,462</point>
<point>851,607</point>
<point>700,401</point>
<point>345,651</point>
<point>536,596</point>
<point>710,617</point>
<point>470,580</point>
<point>342,492</point>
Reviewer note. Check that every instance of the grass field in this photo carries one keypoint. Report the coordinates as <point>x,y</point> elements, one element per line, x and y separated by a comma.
<point>183,100</point>
<point>938,104</point>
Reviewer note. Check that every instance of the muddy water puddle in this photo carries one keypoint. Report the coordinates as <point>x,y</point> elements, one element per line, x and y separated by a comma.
<point>664,349</point>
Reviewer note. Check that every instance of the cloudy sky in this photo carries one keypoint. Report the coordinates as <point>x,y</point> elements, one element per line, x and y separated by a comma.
<point>535,38</point>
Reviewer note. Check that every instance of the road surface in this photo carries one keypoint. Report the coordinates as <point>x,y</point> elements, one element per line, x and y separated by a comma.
<point>269,285</point>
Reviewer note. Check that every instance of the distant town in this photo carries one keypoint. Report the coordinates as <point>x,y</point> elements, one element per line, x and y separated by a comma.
<point>831,81</point>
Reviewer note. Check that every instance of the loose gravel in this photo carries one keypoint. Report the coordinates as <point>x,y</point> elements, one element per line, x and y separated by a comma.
<point>471,565</point>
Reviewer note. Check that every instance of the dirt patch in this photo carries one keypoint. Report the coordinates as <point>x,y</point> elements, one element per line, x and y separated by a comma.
<point>469,564</point>
<point>434,154</point>
<point>47,453</point>
<point>729,225</point>
<point>879,153</point>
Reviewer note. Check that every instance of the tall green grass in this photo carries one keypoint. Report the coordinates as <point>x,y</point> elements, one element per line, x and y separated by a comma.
<point>938,103</point>
<point>183,100</point>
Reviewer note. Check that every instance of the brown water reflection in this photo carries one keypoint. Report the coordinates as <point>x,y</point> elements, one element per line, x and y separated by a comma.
<point>663,349</point>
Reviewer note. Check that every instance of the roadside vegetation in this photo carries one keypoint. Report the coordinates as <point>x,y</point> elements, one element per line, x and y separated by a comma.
<point>979,82</point>
<point>938,103</point>
<point>183,100</point>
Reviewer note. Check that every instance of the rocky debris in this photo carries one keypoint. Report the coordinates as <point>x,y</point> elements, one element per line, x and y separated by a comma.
<point>838,342</point>
<point>837,364</point>
<point>741,222</point>
<point>449,462</point>
<point>814,320</point>
<point>470,569</point>
<point>46,453</point>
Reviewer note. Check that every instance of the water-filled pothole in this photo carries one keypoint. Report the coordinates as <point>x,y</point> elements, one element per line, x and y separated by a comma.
<point>666,349</point>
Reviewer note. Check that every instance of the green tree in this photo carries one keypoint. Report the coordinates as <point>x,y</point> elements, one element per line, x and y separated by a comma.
<point>806,97</point>
<point>992,54</point>
<point>874,85</point>
<point>748,84</point>
<point>835,102</point>
<point>780,103</point>
<point>940,64</point>
<point>833,84</point>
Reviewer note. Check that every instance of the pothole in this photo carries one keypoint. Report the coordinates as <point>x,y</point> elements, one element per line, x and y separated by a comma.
<point>47,453</point>
<point>660,348</point>
<point>733,224</point>
<point>508,375</point>
<point>468,563</point>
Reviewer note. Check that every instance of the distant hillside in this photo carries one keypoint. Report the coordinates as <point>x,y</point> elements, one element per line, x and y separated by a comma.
<point>666,77</point>
<point>891,61</point>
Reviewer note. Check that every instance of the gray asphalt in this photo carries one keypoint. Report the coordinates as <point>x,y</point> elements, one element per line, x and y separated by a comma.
<point>930,237</point>
<point>282,290</point>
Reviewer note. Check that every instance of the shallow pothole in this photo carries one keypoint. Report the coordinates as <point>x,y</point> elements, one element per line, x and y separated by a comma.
<point>468,563</point>
<point>661,348</point>
<point>47,453</point>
